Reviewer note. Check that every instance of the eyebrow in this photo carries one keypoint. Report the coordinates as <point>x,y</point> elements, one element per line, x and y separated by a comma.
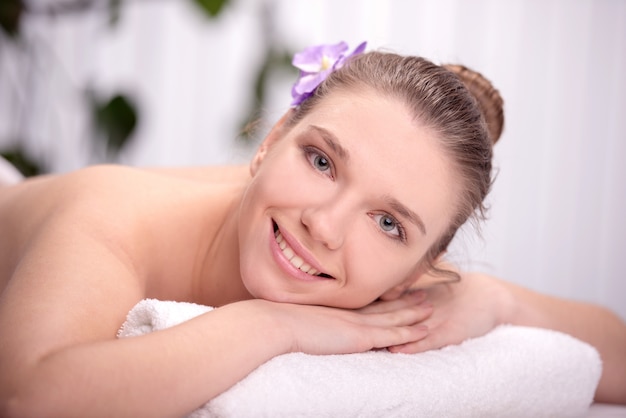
<point>406,213</point>
<point>332,141</point>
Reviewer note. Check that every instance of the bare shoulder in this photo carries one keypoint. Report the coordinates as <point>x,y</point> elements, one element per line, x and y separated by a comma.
<point>215,174</point>
<point>76,252</point>
<point>106,188</point>
<point>97,193</point>
<point>66,276</point>
<point>118,206</point>
<point>49,213</point>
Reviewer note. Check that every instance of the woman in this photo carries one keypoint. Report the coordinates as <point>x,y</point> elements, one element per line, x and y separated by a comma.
<point>349,201</point>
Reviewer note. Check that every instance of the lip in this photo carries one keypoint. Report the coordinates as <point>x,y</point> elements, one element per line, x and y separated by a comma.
<point>285,265</point>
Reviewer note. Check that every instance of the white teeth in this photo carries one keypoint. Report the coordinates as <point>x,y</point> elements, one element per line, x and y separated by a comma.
<point>288,253</point>
<point>295,260</point>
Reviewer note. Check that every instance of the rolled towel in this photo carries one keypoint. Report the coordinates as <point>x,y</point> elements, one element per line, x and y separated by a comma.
<point>510,372</point>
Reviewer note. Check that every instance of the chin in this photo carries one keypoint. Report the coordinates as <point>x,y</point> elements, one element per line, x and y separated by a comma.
<point>282,296</point>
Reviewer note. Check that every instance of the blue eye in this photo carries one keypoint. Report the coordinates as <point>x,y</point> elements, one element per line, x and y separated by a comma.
<point>321,163</point>
<point>388,224</point>
<point>318,160</point>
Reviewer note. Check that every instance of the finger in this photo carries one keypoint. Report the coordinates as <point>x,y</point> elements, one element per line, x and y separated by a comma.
<point>410,315</point>
<point>408,299</point>
<point>399,336</point>
<point>413,347</point>
<point>432,341</point>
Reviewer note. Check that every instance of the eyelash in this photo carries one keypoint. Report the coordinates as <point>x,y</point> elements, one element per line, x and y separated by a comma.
<point>311,153</point>
<point>401,230</point>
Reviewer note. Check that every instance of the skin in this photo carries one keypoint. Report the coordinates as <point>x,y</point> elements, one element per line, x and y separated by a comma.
<point>479,302</point>
<point>331,215</point>
<point>82,249</point>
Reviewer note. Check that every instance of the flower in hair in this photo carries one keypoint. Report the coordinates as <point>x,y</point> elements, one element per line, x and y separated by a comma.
<point>315,64</point>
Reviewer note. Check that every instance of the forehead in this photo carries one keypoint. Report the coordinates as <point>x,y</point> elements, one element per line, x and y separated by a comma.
<point>388,153</point>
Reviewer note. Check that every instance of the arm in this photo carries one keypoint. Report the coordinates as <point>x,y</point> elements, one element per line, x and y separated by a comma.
<point>76,276</point>
<point>85,372</point>
<point>480,302</point>
<point>593,324</point>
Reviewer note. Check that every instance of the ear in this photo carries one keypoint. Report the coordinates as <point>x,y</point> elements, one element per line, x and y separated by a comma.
<point>276,133</point>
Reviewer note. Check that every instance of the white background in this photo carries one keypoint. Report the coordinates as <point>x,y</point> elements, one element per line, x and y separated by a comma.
<point>558,204</point>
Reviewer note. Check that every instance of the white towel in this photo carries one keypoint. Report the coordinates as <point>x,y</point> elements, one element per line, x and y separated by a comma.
<point>510,372</point>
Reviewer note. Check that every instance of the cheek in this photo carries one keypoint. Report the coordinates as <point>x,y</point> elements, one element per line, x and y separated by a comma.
<point>285,179</point>
<point>264,189</point>
<point>376,268</point>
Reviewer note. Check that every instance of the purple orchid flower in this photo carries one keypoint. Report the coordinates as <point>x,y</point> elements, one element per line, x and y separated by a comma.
<point>315,64</point>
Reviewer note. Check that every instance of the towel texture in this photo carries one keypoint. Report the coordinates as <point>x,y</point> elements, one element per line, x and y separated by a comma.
<point>510,372</point>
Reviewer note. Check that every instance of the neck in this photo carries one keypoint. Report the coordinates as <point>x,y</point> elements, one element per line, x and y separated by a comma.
<point>219,279</point>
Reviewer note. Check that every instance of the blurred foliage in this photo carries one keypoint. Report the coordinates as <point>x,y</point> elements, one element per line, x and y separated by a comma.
<point>115,10</point>
<point>273,60</point>
<point>211,7</point>
<point>22,162</point>
<point>10,15</point>
<point>116,118</point>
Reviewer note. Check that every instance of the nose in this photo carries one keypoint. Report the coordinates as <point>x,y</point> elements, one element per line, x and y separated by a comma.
<point>327,222</point>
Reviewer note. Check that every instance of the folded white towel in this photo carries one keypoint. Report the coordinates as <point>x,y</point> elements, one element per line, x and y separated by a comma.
<point>510,372</point>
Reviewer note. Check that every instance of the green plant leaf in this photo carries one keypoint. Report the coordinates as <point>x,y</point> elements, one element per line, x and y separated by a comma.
<point>116,120</point>
<point>10,15</point>
<point>212,8</point>
<point>20,160</point>
<point>273,61</point>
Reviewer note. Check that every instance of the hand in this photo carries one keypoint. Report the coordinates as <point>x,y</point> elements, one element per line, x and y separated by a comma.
<point>324,330</point>
<point>466,309</point>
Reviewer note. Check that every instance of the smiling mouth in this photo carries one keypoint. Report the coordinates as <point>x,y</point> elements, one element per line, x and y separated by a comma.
<point>295,260</point>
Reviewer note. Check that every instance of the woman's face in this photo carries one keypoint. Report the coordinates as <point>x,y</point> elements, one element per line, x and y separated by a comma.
<point>343,205</point>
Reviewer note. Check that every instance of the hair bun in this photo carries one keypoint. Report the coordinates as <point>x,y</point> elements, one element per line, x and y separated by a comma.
<point>489,99</point>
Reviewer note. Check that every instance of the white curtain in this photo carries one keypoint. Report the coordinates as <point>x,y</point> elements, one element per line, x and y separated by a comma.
<point>558,204</point>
